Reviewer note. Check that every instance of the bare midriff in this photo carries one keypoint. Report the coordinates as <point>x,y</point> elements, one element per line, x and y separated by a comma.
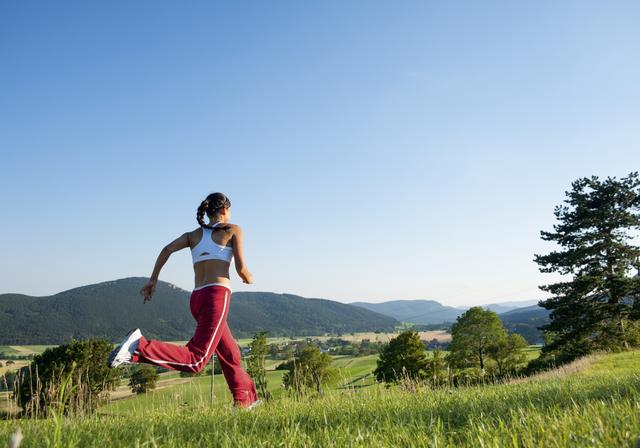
<point>211,271</point>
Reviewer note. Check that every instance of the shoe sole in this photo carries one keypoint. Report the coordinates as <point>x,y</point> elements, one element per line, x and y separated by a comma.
<point>255,404</point>
<point>116,352</point>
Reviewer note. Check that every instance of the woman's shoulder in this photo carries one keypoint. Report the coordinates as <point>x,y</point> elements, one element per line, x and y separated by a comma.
<point>228,227</point>
<point>233,228</point>
<point>196,231</point>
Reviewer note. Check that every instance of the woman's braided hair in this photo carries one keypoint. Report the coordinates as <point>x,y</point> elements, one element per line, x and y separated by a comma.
<point>211,206</point>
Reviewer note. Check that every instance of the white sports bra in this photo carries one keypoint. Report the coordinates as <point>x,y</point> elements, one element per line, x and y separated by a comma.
<point>207,249</point>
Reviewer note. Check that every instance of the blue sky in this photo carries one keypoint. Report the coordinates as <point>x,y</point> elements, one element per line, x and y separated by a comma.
<point>372,150</point>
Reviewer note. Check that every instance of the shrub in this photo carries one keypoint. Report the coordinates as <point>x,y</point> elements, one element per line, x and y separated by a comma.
<point>68,378</point>
<point>286,365</point>
<point>143,378</point>
<point>194,374</point>
<point>309,370</point>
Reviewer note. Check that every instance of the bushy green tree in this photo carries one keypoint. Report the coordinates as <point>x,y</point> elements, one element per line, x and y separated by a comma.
<point>437,368</point>
<point>68,378</point>
<point>472,337</point>
<point>507,353</point>
<point>255,363</point>
<point>594,307</point>
<point>310,369</point>
<point>404,356</point>
<point>143,378</point>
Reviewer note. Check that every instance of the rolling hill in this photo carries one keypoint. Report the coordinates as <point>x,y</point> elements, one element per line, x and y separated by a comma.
<point>505,307</point>
<point>432,312</point>
<point>111,309</point>
<point>416,311</point>
<point>525,321</point>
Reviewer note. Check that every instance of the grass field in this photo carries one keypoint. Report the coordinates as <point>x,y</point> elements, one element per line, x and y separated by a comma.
<point>353,372</point>
<point>19,350</point>
<point>196,392</point>
<point>23,349</point>
<point>595,403</point>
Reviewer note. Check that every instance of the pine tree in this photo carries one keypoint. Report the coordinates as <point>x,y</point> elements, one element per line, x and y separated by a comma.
<point>594,308</point>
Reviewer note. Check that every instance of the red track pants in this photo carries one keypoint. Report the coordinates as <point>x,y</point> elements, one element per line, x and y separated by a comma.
<point>209,307</point>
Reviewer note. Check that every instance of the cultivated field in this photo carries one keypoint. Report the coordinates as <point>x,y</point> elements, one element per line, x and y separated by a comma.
<point>440,335</point>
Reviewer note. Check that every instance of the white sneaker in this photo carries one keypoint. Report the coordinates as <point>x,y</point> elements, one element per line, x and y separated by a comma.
<point>253,405</point>
<point>123,352</point>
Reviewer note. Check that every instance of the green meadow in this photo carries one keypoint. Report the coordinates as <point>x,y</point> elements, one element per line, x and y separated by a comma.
<point>593,402</point>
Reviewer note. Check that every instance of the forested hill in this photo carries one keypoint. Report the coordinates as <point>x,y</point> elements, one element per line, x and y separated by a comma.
<point>111,309</point>
<point>526,322</point>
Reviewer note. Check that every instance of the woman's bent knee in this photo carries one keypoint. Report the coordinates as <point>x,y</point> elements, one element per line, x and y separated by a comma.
<point>198,367</point>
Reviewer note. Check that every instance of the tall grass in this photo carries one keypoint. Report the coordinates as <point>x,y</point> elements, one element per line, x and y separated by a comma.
<point>598,406</point>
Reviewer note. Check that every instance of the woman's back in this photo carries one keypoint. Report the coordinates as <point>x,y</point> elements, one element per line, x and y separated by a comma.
<point>212,251</point>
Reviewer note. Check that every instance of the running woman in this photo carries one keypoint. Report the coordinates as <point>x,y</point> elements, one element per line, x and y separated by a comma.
<point>212,245</point>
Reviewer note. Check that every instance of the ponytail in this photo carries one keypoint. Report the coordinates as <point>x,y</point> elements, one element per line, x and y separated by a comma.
<point>211,206</point>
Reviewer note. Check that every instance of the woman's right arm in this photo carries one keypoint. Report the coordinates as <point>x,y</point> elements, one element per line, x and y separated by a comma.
<point>238,254</point>
<point>179,243</point>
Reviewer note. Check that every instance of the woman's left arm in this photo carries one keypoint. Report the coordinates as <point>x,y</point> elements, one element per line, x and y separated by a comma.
<point>179,243</point>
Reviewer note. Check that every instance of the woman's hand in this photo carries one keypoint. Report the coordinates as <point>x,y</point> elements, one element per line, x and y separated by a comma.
<point>247,277</point>
<point>179,243</point>
<point>148,290</point>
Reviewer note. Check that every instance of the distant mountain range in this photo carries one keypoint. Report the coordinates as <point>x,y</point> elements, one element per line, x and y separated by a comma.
<point>111,309</point>
<point>432,312</point>
<point>525,321</point>
<point>414,311</point>
<point>505,307</point>
<point>523,317</point>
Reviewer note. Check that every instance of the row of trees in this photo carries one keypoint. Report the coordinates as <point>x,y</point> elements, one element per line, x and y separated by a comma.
<point>337,346</point>
<point>480,345</point>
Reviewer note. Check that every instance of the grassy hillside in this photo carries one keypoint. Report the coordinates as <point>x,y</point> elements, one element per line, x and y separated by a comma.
<point>594,405</point>
<point>111,309</point>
